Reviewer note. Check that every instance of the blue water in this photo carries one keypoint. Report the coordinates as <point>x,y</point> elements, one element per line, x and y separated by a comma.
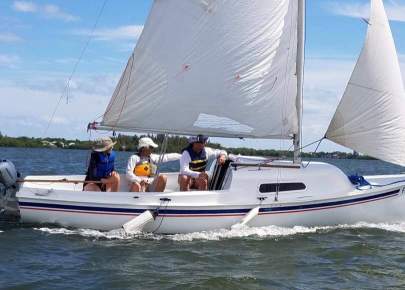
<point>363,256</point>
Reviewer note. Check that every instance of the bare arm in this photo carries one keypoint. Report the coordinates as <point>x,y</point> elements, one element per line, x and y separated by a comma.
<point>167,157</point>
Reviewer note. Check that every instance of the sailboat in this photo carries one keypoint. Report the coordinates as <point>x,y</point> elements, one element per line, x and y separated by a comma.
<point>235,69</point>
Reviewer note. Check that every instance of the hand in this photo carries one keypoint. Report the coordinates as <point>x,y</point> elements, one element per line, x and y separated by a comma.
<point>144,182</point>
<point>221,159</point>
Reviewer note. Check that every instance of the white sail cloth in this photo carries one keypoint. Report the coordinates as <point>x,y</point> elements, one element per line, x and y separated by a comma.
<point>371,115</point>
<point>217,67</point>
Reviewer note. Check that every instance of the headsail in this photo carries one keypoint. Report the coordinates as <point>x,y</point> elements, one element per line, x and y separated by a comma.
<point>218,67</point>
<point>371,115</point>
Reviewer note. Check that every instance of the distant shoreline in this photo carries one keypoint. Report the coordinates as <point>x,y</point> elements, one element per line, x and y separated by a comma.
<point>175,144</point>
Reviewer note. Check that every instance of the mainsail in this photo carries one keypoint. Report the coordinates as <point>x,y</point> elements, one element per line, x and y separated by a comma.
<point>371,115</point>
<point>218,67</point>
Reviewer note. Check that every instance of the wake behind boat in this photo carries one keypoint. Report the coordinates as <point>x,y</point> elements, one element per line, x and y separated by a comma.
<point>252,70</point>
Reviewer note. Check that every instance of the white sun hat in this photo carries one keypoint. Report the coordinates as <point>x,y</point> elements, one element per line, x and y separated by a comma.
<point>103,144</point>
<point>146,142</point>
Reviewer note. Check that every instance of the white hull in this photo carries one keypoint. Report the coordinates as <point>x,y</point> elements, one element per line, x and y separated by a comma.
<point>328,199</point>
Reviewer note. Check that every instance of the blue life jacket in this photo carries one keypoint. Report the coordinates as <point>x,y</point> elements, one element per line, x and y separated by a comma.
<point>105,164</point>
<point>198,160</point>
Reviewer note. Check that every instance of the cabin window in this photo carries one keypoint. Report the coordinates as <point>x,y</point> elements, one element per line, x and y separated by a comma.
<point>274,187</point>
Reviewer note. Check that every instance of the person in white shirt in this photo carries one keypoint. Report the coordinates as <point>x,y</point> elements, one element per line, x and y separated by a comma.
<point>193,163</point>
<point>141,168</point>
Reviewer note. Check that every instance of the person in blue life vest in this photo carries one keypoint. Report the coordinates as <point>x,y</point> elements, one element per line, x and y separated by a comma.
<point>101,167</point>
<point>193,163</point>
<point>141,168</point>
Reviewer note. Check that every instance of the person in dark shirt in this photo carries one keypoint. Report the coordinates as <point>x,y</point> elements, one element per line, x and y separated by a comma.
<point>101,167</point>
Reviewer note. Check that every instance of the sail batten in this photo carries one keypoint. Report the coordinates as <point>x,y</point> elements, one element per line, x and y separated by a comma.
<point>370,117</point>
<point>219,67</point>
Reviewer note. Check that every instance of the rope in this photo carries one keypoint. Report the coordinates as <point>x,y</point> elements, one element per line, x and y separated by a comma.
<point>67,86</point>
<point>378,185</point>
<point>162,218</point>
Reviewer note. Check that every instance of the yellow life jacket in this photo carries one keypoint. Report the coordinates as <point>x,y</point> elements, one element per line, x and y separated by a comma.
<point>143,169</point>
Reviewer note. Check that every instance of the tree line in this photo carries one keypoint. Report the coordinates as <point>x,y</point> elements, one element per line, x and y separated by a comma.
<point>174,144</point>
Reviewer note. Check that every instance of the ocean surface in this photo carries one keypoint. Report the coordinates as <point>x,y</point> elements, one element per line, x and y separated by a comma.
<point>361,256</point>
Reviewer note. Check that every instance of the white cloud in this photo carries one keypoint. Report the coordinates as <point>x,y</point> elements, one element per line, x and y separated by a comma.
<point>395,10</point>
<point>8,37</point>
<point>25,6</point>
<point>48,10</point>
<point>9,60</point>
<point>127,32</point>
<point>79,85</point>
<point>53,11</point>
<point>29,103</point>
<point>36,104</point>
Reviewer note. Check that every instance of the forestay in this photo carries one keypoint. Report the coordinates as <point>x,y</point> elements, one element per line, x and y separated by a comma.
<point>371,115</point>
<point>218,67</point>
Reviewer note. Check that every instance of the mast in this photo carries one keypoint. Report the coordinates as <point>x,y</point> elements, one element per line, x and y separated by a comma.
<point>300,77</point>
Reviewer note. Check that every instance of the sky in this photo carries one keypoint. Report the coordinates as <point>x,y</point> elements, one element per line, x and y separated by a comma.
<point>41,42</point>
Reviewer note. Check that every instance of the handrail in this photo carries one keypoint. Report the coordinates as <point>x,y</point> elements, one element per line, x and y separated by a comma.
<point>293,166</point>
<point>63,180</point>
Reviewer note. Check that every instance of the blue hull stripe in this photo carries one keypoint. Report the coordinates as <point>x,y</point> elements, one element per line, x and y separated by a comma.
<point>209,211</point>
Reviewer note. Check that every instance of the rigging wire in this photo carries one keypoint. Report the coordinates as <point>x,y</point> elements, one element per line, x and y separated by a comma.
<point>316,149</point>
<point>307,145</point>
<point>67,86</point>
<point>161,156</point>
<point>312,143</point>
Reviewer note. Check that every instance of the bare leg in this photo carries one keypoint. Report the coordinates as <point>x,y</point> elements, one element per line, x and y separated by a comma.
<point>202,183</point>
<point>160,183</point>
<point>112,183</point>
<point>184,182</point>
<point>91,187</point>
<point>136,187</point>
